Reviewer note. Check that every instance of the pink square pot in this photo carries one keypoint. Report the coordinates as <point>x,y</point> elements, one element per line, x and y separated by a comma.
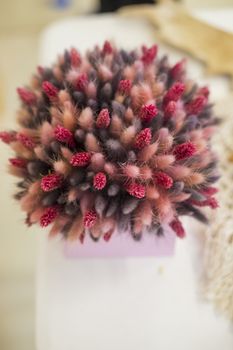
<point>123,245</point>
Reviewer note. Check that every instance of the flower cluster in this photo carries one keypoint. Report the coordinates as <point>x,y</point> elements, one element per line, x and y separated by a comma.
<point>113,140</point>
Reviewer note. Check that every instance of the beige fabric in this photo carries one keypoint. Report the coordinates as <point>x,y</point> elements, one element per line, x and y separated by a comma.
<point>218,250</point>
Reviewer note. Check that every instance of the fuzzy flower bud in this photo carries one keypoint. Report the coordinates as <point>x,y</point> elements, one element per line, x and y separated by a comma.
<point>63,135</point>
<point>90,218</point>
<point>177,69</point>
<point>49,216</point>
<point>107,48</point>
<point>26,96</point>
<point>149,54</point>
<point>136,190</point>
<point>80,159</point>
<point>174,93</point>
<point>7,136</point>
<point>75,57</point>
<point>103,119</point>
<point>25,140</point>
<point>50,90</point>
<point>148,112</point>
<point>196,106</point>
<point>163,180</point>
<point>169,109</point>
<point>177,227</point>
<point>124,86</point>
<point>18,162</point>
<point>143,139</point>
<point>82,81</point>
<point>184,150</point>
<point>51,182</point>
<point>99,181</point>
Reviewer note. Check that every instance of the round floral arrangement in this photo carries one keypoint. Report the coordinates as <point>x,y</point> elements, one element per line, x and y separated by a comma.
<point>111,141</point>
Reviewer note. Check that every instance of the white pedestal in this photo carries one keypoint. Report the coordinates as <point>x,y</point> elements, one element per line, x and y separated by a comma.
<point>127,303</point>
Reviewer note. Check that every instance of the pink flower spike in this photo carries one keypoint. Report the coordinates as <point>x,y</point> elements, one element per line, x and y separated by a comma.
<point>177,227</point>
<point>99,181</point>
<point>204,91</point>
<point>107,236</point>
<point>49,216</point>
<point>81,238</point>
<point>103,119</point>
<point>26,96</point>
<point>64,135</point>
<point>25,140</point>
<point>107,48</point>
<point>196,106</point>
<point>177,70</point>
<point>40,70</point>
<point>149,54</point>
<point>209,191</point>
<point>212,203</point>
<point>80,159</point>
<point>184,150</point>
<point>49,89</point>
<point>82,81</point>
<point>174,93</point>
<point>8,136</point>
<point>143,139</point>
<point>136,190</point>
<point>75,57</point>
<point>124,86</point>
<point>163,180</point>
<point>18,162</point>
<point>148,112</point>
<point>90,218</point>
<point>51,182</point>
<point>209,202</point>
<point>170,109</point>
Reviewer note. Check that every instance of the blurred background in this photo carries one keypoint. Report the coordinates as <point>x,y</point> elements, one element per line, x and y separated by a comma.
<point>21,23</point>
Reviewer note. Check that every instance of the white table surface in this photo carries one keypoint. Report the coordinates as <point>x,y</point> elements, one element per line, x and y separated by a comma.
<point>128,304</point>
